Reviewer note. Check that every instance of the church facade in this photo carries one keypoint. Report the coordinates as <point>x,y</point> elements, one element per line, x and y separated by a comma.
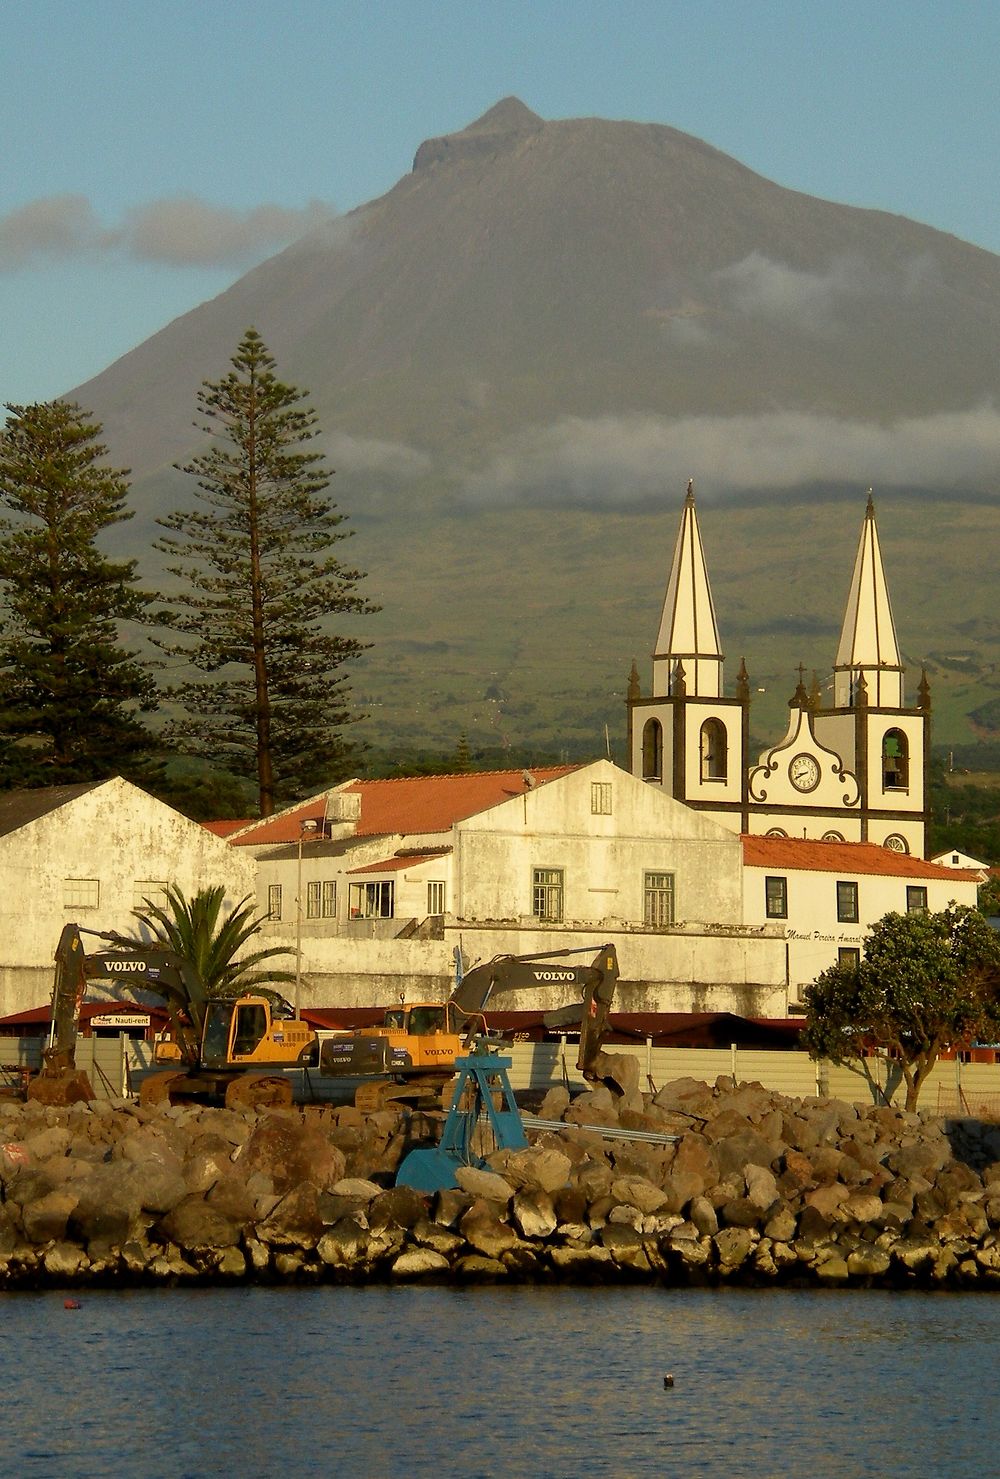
<point>850,771</point>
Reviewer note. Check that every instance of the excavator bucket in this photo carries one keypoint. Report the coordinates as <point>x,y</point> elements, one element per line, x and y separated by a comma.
<point>60,1087</point>
<point>259,1091</point>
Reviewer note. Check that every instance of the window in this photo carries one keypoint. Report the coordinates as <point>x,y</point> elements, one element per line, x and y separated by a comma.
<point>776,898</point>
<point>895,761</point>
<point>895,843</point>
<point>435,896</point>
<point>714,750</point>
<point>152,889</point>
<point>600,798</point>
<point>652,750</point>
<point>251,1024</point>
<point>274,901</point>
<point>775,832</point>
<point>81,893</point>
<point>916,899</point>
<point>832,837</point>
<point>547,893</point>
<point>848,955</point>
<point>321,900</point>
<point>658,899</point>
<point>847,903</point>
<point>373,900</point>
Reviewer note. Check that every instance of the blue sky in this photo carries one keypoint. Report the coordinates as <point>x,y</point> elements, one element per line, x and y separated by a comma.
<point>151,154</point>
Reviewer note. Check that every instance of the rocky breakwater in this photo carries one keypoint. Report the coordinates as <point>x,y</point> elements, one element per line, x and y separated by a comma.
<point>757,1188</point>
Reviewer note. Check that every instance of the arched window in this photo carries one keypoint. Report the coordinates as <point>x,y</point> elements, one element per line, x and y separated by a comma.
<point>714,750</point>
<point>895,761</point>
<point>652,750</point>
<point>895,843</point>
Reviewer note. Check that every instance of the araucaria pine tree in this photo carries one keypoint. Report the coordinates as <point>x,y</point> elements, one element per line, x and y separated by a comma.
<point>70,691</point>
<point>260,586</point>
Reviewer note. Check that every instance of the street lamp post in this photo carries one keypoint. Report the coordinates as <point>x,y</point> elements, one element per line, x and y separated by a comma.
<point>306,829</point>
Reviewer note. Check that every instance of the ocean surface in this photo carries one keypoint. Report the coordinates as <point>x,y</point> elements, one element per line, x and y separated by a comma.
<point>495,1382</point>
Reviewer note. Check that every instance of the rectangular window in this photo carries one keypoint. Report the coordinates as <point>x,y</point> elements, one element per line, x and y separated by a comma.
<point>435,896</point>
<point>658,899</point>
<point>274,901</point>
<point>916,899</point>
<point>547,893</point>
<point>600,798</point>
<point>374,900</point>
<point>81,893</point>
<point>153,890</point>
<point>776,898</point>
<point>321,900</point>
<point>848,955</point>
<point>847,903</point>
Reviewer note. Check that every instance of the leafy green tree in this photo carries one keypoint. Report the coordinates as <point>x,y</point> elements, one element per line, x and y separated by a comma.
<point>70,691</point>
<point>260,586</point>
<point>988,897</point>
<point>212,939</point>
<point>925,981</point>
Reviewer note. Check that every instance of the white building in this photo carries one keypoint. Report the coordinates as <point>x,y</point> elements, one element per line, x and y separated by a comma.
<point>89,854</point>
<point>829,893</point>
<point>509,861</point>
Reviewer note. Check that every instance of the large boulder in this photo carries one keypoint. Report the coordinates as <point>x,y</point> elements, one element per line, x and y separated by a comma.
<point>290,1151</point>
<point>196,1227</point>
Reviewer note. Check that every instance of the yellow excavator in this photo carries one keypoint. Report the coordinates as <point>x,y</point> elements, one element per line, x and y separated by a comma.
<point>411,1057</point>
<point>220,1049</point>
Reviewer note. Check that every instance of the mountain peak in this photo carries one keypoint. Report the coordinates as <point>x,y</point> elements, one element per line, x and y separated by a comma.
<point>505,122</point>
<point>510,115</point>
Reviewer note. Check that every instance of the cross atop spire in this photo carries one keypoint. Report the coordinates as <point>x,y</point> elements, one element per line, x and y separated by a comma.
<point>688,633</point>
<point>868,648</point>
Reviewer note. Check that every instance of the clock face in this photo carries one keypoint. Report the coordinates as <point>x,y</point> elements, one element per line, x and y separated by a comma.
<point>803,772</point>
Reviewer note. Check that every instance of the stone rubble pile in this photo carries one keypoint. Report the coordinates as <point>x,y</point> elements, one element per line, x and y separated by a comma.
<point>756,1189</point>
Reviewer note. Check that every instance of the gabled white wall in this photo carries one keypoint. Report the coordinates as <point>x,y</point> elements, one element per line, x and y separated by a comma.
<point>117,834</point>
<point>603,857</point>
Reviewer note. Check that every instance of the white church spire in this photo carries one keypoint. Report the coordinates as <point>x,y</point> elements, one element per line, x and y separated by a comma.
<point>687,645</point>
<point>868,649</point>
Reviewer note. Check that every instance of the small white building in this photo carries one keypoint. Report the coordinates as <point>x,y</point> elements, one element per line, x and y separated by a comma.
<point>828,894</point>
<point>90,854</point>
<point>953,858</point>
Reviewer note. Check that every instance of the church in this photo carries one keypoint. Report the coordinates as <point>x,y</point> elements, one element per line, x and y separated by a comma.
<point>853,770</point>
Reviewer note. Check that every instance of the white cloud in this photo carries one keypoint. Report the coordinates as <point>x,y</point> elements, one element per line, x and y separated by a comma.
<point>181,231</point>
<point>760,287</point>
<point>58,226</point>
<point>368,454</point>
<point>623,461</point>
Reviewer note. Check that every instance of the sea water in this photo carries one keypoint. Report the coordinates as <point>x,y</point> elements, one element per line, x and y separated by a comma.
<point>533,1381</point>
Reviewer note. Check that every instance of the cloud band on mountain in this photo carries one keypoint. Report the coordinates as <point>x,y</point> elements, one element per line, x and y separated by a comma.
<point>631,461</point>
<point>179,231</point>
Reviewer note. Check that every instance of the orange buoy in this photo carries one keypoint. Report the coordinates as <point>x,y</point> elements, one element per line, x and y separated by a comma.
<point>71,1304</point>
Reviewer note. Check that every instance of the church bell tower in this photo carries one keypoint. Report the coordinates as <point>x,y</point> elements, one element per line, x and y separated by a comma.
<point>686,737</point>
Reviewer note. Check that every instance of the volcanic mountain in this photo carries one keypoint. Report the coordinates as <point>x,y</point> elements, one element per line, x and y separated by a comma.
<point>518,357</point>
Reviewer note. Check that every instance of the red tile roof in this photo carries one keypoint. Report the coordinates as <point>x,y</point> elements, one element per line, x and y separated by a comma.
<point>842,857</point>
<point>393,864</point>
<point>223,829</point>
<point>412,804</point>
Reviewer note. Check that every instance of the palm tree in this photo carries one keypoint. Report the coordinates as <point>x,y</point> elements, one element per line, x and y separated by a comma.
<point>213,941</point>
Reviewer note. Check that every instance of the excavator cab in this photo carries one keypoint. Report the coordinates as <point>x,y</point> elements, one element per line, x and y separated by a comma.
<point>252,1030</point>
